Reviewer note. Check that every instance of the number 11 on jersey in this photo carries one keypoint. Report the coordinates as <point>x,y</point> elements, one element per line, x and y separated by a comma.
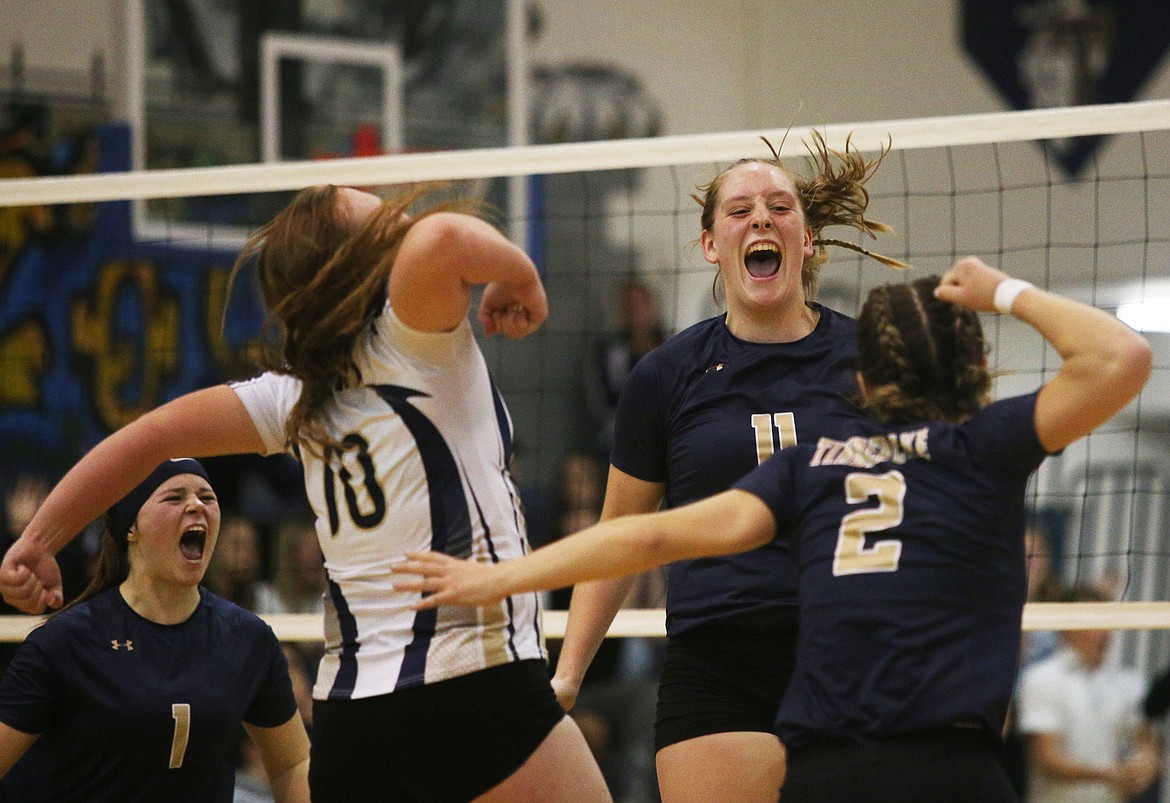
<point>766,426</point>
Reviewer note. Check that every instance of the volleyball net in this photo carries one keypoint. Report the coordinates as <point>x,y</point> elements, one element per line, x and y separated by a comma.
<point>121,310</point>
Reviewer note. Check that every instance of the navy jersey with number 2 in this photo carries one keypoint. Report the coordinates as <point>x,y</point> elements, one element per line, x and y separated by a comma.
<point>910,552</point>
<point>132,710</point>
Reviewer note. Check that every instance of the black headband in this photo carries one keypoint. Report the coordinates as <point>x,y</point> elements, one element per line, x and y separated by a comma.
<point>122,515</point>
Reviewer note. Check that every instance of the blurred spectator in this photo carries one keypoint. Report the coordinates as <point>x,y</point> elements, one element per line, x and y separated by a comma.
<point>1035,646</point>
<point>299,582</point>
<point>1088,742</point>
<point>538,501</point>
<point>234,571</point>
<point>299,570</point>
<point>640,330</point>
<point>23,494</point>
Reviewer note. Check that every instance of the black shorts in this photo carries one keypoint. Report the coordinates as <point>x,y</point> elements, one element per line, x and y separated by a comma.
<point>446,741</point>
<point>727,676</point>
<point>958,765</point>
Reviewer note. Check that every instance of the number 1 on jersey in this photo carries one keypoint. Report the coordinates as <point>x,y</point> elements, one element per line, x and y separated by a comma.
<point>766,426</point>
<point>181,713</point>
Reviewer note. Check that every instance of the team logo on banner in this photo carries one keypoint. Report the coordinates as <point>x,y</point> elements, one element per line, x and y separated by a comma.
<point>1047,53</point>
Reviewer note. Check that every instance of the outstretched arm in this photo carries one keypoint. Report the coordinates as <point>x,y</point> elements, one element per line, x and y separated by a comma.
<point>443,256</point>
<point>729,522</point>
<point>200,424</point>
<point>1105,363</point>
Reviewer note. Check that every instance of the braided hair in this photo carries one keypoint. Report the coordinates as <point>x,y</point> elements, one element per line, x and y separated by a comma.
<point>921,358</point>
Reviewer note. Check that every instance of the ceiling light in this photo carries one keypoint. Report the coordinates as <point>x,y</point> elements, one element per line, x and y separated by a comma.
<point>1146,316</point>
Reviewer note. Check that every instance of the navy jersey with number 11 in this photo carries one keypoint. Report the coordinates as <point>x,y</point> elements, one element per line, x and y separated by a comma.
<point>705,408</point>
<point>910,552</point>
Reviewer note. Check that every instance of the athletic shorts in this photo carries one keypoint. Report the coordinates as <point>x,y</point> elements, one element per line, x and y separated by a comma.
<point>446,741</point>
<point>727,676</point>
<point>955,764</point>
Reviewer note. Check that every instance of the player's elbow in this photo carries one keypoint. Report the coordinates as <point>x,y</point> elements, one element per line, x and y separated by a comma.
<point>1129,365</point>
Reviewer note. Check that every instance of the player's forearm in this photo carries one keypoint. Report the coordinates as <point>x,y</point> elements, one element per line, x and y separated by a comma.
<point>1096,347</point>
<point>492,257</point>
<point>606,551</point>
<point>103,476</point>
<point>591,612</point>
<point>291,785</point>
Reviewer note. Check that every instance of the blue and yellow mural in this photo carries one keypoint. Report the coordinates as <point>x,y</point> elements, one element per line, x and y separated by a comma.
<point>95,327</point>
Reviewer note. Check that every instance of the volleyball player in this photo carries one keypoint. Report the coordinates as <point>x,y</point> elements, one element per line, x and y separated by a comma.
<point>909,535</point>
<point>383,393</point>
<point>138,688</point>
<point>694,416</point>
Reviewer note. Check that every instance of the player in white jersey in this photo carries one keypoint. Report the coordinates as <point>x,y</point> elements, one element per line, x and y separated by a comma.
<point>380,389</point>
<point>428,434</point>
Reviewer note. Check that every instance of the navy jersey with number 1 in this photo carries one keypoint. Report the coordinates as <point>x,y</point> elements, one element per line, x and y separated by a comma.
<point>910,552</point>
<point>132,710</point>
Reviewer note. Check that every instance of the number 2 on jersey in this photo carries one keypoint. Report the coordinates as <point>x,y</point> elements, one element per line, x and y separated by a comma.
<point>852,556</point>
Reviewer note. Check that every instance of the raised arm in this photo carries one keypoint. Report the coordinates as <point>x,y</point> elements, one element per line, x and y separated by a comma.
<point>1105,363</point>
<point>729,522</point>
<point>200,424</point>
<point>443,256</point>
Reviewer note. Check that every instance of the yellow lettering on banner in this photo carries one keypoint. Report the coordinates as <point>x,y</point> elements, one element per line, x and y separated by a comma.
<point>115,358</point>
<point>233,361</point>
<point>22,361</point>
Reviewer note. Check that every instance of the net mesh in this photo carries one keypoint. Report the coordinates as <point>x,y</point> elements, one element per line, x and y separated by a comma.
<point>106,319</point>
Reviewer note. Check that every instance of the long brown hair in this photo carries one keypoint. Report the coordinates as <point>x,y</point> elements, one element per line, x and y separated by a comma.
<point>834,195</point>
<point>323,280</point>
<point>110,570</point>
<point>921,358</point>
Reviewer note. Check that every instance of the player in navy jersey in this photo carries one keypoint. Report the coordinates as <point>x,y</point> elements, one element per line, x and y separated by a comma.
<point>138,687</point>
<point>694,416</point>
<point>380,389</point>
<point>909,537</point>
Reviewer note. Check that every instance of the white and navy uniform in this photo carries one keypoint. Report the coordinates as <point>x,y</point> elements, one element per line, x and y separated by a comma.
<point>132,710</point>
<point>910,552</point>
<point>425,467</point>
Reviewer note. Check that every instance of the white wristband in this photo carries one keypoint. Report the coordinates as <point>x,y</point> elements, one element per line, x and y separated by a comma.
<point>1006,293</point>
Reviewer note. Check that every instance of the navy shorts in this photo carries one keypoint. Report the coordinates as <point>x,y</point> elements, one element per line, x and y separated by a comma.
<point>446,741</point>
<point>727,676</point>
<point>955,764</point>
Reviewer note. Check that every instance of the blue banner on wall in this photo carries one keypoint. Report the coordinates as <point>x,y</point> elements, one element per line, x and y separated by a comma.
<point>1047,53</point>
<point>97,328</point>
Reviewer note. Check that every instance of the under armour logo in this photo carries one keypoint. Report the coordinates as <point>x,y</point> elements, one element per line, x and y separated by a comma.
<point>117,645</point>
<point>716,367</point>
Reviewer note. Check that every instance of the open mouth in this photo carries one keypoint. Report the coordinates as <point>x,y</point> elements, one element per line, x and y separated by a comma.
<point>191,543</point>
<point>762,260</point>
